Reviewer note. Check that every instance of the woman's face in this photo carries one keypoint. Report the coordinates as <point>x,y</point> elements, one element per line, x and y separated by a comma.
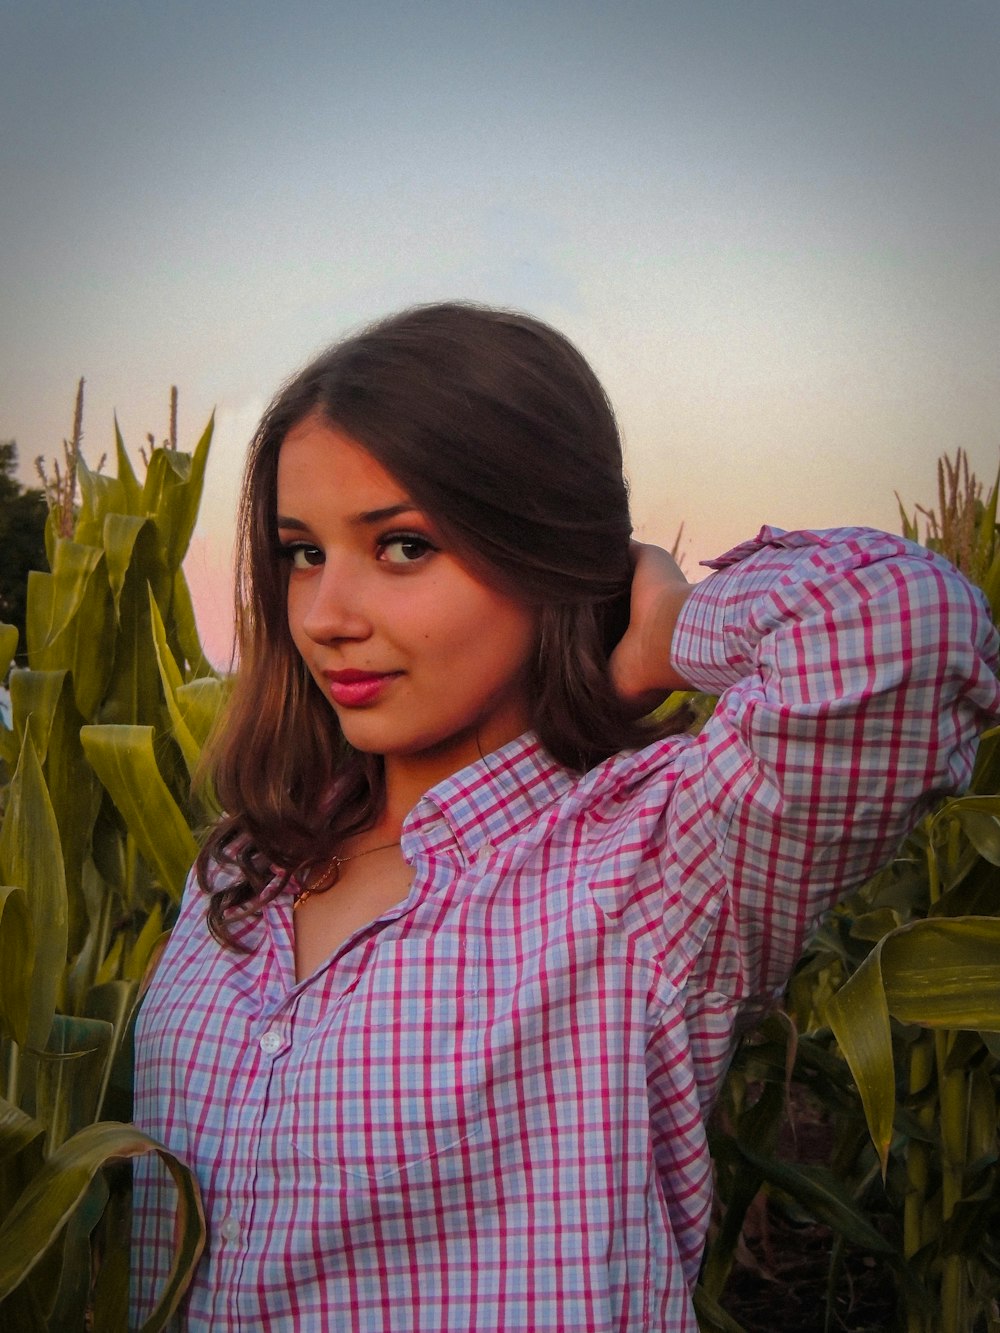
<point>421,661</point>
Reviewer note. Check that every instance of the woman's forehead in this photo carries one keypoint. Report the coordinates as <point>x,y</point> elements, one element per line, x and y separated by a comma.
<point>317,456</point>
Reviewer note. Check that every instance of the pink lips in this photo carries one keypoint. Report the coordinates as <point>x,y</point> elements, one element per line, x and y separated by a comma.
<point>354,689</point>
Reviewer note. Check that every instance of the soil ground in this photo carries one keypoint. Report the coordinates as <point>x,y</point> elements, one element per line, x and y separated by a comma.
<point>779,1284</point>
<point>784,1291</point>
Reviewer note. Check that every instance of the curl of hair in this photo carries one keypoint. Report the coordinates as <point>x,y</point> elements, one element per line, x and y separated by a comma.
<point>498,429</point>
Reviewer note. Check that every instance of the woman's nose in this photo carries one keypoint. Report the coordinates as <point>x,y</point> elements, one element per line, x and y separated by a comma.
<point>335,610</point>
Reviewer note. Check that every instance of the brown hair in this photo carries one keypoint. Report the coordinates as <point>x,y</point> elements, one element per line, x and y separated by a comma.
<point>497,428</point>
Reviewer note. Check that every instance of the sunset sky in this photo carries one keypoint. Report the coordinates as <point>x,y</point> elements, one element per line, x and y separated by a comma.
<point>773,226</point>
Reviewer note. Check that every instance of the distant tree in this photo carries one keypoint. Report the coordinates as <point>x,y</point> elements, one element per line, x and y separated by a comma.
<point>22,540</point>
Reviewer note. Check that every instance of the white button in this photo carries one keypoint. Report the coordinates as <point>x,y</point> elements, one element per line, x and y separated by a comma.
<point>229,1228</point>
<point>270,1042</point>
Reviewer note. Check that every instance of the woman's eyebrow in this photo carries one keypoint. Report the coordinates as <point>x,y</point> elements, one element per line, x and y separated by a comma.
<point>390,511</point>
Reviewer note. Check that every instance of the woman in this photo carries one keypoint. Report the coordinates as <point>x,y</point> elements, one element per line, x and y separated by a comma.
<point>459,972</point>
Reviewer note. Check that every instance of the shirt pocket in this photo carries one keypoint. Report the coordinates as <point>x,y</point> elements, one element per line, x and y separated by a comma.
<point>394,1076</point>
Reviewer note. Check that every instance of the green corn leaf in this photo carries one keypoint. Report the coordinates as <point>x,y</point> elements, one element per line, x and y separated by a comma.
<point>69,1087</point>
<point>93,648</point>
<point>177,474</point>
<point>170,679</point>
<point>112,856</point>
<point>51,536</point>
<point>124,760</point>
<point>100,904</point>
<point>201,702</point>
<point>170,674</point>
<point>982,1119</point>
<point>76,797</point>
<point>114,1003</point>
<point>138,956</point>
<point>983,831</point>
<point>17,1129</point>
<point>167,476</point>
<point>8,647</point>
<point>133,692</point>
<point>986,773</point>
<point>131,489</point>
<point>17,960</point>
<point>939,973</point>
<point>40,615</point>
<point>945,973</point>
<point>990,584</point>
<point>172,495</point>
<point>110,965</point>
<point>874,925</point>
<point>711,1316</point>
<point>51,613</point>
<point>826,1198</point>
<point>45,701</point>
<point>858,1015</point>
<point>75,1273</point>
<point>30,855</point>
<point>187,629</point>
<point>34,698</point>
<point>979,819</point>
<point>40,1214</point>
<point>742,1190</point>
<point>69,621</point>
<point>9,748</point>
<point>982,805</point>
<point>99,496</point>
<point>119,536</point>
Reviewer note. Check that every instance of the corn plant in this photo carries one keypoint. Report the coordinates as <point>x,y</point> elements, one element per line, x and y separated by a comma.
<point>897,1035</point>
<point>108,720</point>
<point>931,1096</point>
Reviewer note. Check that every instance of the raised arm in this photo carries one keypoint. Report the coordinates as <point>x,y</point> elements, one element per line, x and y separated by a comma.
<point>855,672</point>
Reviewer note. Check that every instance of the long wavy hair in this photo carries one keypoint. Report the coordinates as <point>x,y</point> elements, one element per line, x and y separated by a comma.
<point>497,428</point>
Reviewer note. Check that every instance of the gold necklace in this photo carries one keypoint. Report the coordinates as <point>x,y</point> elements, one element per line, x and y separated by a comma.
<point>331,872</point>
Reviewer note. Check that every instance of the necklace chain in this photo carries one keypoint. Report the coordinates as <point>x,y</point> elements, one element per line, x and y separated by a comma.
<point>330,873</point>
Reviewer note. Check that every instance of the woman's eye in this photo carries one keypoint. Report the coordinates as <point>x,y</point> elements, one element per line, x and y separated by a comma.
<point>303,556</point>
<point>404,548</point>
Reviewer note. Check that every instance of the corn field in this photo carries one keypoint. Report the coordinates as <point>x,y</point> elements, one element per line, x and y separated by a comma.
<point>891,1024</point>
<point>108,720</point>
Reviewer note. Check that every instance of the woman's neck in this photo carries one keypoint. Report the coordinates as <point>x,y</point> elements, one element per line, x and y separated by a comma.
<point>409,776</point>
<point>404,786</point>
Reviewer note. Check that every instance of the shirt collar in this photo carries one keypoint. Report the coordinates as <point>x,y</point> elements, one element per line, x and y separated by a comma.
<point>487,802</point>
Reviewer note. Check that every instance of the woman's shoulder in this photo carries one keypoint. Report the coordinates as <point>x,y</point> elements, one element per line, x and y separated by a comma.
<point>622,812</point>
<point>626,777</point>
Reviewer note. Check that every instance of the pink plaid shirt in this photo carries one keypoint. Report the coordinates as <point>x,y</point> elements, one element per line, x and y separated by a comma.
<point>487,1110</point>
